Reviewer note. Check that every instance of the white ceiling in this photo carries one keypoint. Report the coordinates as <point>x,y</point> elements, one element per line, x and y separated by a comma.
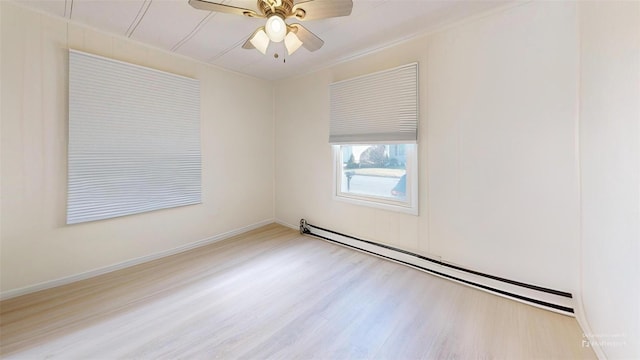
<point>217,38</point>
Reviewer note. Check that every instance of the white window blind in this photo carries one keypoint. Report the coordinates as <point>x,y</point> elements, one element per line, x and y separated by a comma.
<point>376,108</point>
<point>134,139</point>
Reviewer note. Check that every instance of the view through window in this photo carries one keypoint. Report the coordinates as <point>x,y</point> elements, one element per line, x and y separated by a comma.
<point>375,171</point>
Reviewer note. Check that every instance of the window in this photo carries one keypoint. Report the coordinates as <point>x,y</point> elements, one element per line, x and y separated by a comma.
<point>134,139</point>
<point>378,175</point>
<point>374,131</point>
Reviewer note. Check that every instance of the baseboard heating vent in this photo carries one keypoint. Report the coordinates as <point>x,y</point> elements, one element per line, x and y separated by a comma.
<point>550,299</point>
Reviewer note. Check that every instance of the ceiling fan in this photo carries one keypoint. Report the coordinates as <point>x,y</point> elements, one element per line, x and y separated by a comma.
<point>276,12</point>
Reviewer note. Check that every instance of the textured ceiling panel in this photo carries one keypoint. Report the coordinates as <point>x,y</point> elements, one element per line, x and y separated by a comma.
<point>217,38</point>
<point>167,22</point>
<point>112,16</point>
<point>219,35</point>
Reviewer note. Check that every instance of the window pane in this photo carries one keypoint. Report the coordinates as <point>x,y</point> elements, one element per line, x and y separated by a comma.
<point>374,170</point>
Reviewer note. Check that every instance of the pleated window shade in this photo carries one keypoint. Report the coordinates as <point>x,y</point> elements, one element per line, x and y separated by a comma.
<point>134,139</point>
<point>378,108</point>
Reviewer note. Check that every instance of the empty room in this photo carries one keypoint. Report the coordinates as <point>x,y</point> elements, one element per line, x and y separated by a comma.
<point>327,179</point>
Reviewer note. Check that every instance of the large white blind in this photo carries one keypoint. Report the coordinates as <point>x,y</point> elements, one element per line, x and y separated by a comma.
<point>134,139</point>
<point>376,108</point>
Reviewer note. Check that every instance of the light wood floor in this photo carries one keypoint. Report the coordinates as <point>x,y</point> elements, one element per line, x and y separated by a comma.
<point>272,293</point>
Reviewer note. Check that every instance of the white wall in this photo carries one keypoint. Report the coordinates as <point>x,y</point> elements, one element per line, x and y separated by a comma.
<point>610,169</point>
<point>36,245</point>
<point>499,185</point>
<point>503,180</point>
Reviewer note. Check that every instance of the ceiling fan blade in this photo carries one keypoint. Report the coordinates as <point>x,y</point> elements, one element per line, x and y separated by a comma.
<point>247,44</point>
<point>309,40</point>
<point>321,9</point>
<point>228,9</point>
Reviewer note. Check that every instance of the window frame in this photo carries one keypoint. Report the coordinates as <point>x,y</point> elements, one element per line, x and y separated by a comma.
<point>410,206</point>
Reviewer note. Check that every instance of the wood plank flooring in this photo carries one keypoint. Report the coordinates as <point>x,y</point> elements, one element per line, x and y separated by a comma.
<point>272,293</point>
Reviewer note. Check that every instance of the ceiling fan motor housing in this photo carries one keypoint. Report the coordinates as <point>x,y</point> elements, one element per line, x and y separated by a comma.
<point>282,8</point>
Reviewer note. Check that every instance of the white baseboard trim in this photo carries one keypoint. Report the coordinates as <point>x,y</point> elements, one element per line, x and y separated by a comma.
<point>588,334</point>
<point>125,264</point>
<point>286,224</point>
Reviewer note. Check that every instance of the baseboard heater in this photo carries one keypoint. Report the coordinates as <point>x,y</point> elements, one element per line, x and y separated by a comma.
<point>550,299</point>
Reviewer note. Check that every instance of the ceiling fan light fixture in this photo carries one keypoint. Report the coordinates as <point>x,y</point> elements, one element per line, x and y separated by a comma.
<point>276,28</point>
<point>292,42</point>
<point>260,41</point>
<point>277,12</point>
